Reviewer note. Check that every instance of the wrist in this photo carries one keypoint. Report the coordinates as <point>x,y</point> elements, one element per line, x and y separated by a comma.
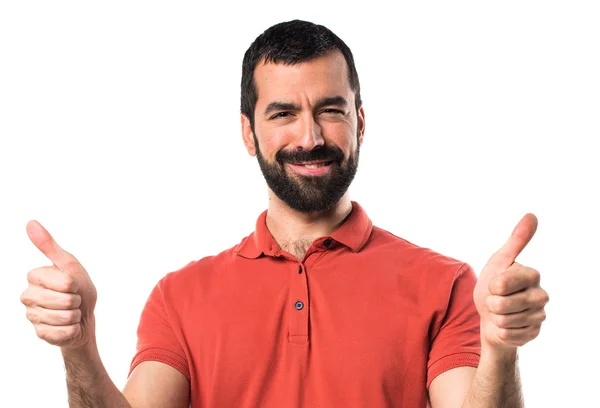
<point>85,351</point>
<point>494,352</point>
<point>498,355</point>
<point>84,365</point>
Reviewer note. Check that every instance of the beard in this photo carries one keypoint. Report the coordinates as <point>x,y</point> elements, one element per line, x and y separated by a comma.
<point>309,193</point>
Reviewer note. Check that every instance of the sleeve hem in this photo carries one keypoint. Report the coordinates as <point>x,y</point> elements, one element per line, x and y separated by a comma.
<point>164,356</point>
<point>463,359</point>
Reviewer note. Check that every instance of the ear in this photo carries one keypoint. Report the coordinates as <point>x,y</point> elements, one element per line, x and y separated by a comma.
<point>247,135</point>
<point>361,125</point>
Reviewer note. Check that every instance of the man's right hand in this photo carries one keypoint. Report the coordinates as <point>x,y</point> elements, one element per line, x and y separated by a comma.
<point>60,298</point>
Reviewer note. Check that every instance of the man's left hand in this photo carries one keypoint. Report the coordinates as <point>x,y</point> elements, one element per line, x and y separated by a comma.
<point>508,295</point>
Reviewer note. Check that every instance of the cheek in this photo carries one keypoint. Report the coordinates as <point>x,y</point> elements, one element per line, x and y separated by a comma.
<point>344,140</point>
<point>270,144</point>
<point>340,133</point>
<point>272,140</point>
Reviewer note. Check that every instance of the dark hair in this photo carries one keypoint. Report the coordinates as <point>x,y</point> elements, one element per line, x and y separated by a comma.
<point>290,43</point>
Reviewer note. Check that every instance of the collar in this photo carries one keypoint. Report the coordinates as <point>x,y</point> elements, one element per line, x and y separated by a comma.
<point>353,233</point>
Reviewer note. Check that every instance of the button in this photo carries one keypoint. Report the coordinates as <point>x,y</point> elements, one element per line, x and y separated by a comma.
<point>299,269</point>
<point>328,242</point>
<point>299,305</point>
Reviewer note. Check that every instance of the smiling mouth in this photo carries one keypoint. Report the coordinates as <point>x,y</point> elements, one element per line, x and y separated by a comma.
<point>313,165</point>
<point>313,168</point>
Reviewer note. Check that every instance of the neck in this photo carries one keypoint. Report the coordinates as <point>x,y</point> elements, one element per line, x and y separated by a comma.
<point>294,231</point>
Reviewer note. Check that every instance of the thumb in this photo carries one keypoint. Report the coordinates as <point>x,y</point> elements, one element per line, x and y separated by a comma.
<point>518,240</point>
<point>42,239</point>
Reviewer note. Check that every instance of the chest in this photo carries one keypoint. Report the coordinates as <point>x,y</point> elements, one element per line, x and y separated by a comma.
<point>317,323</point>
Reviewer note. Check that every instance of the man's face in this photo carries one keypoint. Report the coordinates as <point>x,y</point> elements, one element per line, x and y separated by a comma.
<point>307,133</point>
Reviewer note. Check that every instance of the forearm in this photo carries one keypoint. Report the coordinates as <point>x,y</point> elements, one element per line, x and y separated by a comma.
<point>497,383</point>
<point>88,383</point>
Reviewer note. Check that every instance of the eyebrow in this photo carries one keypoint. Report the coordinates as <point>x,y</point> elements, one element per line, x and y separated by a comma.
<point>288,106</point>
<point>280,106</point>
<point>339,101</point>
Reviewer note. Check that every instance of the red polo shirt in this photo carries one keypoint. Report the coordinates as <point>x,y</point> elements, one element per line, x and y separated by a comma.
<point>366,319</point>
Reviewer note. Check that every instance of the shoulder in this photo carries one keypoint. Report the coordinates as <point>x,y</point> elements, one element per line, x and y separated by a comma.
<point>408,254</point>
<point>425,270</point>
<point>200,271</point>
<point>425,278</point>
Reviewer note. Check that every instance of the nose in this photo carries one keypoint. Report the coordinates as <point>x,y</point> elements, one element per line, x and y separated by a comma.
<point>310,134</point>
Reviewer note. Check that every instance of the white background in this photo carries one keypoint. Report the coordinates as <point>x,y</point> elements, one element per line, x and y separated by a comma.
<point>119,126</point>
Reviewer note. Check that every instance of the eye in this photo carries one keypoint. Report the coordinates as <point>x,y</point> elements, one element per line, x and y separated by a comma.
<point>280,115</point>
<point>332,111</point>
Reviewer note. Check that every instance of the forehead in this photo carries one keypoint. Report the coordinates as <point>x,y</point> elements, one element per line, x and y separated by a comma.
<point>320,77</point>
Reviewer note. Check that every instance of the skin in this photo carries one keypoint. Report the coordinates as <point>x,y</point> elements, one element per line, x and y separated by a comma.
<point>511,305</point>
<point>61,298</point>
<point>307,127</point>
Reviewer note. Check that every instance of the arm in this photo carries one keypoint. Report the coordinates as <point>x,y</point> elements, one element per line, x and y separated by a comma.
<point>60,302</point>
<point>151,384</point>
<point>88,383</point>
<point>495,383</point>
<point>511,303</point>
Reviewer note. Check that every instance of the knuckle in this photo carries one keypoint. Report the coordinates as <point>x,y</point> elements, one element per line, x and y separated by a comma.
<point>539,297</point>
<point>61,318</point>
<point>28,297</point>
<point>31,315</point>
<point>32,276</point>
<point>535,275</point>
<point>500,285</point>
<point>491,304</point>
<point>68,302</point>
<point>76,316</point>
<point>535,331</point>
<point>68,283</point>
<point>502,304</point>
<point>72,301</point>
<point>503,334</point>
<point>497,304</point>
<point>68,317</point>
<point>41,331</point>
<point>25,298</point>
<point>64,333</point>
<point>499,320</point>
<point>55,335</point>
<point>539,317</point>
<point>70,332</point>
<point>545,297</point>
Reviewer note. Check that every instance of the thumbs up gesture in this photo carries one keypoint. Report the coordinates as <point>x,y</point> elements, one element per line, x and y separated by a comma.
<point>60,299</point>
<point>508,295</point>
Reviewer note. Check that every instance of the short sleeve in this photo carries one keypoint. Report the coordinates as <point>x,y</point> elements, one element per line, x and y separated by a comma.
<point>156,339</point>
<point>457,342</point>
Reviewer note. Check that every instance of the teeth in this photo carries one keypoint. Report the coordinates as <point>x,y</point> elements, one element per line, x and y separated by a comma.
<point>315,166</point>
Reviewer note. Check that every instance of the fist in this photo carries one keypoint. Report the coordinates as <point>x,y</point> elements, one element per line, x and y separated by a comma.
<point>508,295</point>
<point>60,299</point>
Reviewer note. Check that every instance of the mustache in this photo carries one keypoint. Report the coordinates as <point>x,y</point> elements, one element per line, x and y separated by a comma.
<point>324,153</point>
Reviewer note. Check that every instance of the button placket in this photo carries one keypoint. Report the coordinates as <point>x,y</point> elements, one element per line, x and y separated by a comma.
<point>298,329</point>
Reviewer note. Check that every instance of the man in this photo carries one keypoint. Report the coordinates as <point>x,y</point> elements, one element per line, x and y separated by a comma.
<point>317,307</point>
